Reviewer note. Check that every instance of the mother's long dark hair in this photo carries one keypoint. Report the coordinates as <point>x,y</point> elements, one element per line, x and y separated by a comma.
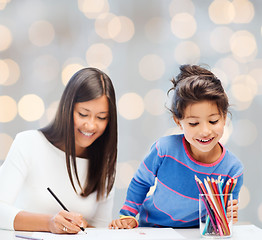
<point>85,85</point>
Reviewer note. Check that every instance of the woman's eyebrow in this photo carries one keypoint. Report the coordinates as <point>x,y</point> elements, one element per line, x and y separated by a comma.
<point>86,109</point>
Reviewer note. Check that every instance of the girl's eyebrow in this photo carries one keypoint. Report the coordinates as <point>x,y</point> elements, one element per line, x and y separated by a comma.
<point>211,115</point>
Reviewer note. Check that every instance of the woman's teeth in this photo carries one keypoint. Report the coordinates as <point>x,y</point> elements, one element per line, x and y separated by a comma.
<point>87,133</point>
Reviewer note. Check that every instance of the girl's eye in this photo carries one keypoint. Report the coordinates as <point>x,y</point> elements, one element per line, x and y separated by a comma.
<point>193,124</point>
<point>214,122</point>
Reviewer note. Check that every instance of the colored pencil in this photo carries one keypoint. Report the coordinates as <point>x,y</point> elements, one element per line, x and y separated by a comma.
<point>220,217</point>
<point>215,203</point>
<point>27,237</point>
<point>226,191</point>
<point>209,210</point>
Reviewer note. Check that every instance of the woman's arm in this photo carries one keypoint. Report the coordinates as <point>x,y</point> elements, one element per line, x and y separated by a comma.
<point>63,222</point>
<point>13,174</point>
<point>104,210</point>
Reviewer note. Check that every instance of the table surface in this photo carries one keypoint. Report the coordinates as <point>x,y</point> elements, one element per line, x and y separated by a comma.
<point>240,232</point>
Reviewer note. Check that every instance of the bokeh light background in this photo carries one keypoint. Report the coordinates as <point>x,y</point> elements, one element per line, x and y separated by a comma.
<point>140,44</point>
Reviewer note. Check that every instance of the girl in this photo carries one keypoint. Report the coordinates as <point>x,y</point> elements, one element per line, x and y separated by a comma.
<point>75,156</point>
<point>199,108</point>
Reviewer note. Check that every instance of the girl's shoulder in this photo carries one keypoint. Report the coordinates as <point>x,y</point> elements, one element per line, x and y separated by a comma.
<point>232,159</point>
<point>171,139</point>
<point>169,144</point>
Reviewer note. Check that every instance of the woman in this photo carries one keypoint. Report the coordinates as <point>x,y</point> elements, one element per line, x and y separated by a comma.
<point>75,156</point>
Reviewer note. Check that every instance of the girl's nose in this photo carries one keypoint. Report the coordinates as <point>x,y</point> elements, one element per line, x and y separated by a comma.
<point>205,130</point>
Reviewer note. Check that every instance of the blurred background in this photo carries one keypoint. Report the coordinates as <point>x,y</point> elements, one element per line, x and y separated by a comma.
<point>140,45</point>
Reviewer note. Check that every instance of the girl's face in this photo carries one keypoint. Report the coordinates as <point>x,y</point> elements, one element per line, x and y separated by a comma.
<point>90,121</point>
<point>203,126</point>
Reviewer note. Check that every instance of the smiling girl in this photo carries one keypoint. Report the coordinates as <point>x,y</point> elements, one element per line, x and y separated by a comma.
<point>75,155</point>
<point>199,107</point>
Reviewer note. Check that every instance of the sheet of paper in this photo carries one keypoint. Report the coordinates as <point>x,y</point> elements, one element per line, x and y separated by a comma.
<point>108,234</point>
<point>247,232</point>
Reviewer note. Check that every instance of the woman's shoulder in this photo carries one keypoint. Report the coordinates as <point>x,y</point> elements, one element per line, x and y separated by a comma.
<point>29,135</point>
<point>29,138</point>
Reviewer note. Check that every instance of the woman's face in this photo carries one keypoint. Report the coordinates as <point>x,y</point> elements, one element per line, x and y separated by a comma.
<point>90,121</point>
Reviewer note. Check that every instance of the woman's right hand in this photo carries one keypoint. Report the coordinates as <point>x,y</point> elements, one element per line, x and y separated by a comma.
<point>67,222</point>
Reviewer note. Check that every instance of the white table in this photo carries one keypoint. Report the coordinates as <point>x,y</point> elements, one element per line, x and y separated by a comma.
<point>240,232</point>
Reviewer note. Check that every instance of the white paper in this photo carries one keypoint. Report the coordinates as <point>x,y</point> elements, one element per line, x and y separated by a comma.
<point>247,232</point>
<point>119,234</point>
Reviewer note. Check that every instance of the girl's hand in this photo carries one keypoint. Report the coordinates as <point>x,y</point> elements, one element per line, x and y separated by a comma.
<point>67,222</point>
<point>124,223</point>
<point>235,210</point>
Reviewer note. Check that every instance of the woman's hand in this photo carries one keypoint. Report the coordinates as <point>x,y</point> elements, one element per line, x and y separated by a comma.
<point>67,222</point>
<point>235,210</point>
<point>123,223</point>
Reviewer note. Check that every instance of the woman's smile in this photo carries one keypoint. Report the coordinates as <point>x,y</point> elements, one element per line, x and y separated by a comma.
<point>87,134</point>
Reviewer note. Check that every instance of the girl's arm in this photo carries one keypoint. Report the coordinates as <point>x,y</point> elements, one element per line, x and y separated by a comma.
<point>139,186</point>
<point>125,222</point>
<point>236,192</point>
<point>235,210</point>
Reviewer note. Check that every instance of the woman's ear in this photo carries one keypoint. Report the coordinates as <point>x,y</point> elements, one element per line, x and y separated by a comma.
<point>177,122</point>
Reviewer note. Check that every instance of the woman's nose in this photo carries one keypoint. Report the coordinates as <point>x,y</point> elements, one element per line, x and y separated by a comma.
<point>90,124</point>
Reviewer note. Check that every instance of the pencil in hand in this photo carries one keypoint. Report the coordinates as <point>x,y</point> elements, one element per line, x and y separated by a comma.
<point>62,205</point>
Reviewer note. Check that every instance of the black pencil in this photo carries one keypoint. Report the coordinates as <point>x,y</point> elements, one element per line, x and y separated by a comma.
<point>61,204</point>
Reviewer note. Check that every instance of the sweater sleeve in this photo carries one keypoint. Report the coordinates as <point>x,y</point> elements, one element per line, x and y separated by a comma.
<point>12,175</point>
<point>103,215</point>
<point>140,184</point>
<point>239,184</point>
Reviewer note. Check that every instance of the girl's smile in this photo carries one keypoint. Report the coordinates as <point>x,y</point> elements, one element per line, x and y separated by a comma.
<point>203,141</point>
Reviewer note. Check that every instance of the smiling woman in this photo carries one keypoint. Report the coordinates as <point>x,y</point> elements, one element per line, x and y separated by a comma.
<point>90,120</point>
<point>75,155</point>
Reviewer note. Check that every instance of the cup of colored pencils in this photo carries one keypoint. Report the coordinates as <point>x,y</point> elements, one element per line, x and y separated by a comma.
<point>215,209</point>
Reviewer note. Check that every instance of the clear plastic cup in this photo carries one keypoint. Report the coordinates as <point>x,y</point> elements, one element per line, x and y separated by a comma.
<point>214,219</point>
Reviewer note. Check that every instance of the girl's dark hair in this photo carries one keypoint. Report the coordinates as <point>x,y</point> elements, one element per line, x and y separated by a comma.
<point>85,85</point>
<point>194,84</point>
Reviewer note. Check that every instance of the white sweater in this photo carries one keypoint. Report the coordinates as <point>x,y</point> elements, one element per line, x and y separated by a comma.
<point>32,165</point>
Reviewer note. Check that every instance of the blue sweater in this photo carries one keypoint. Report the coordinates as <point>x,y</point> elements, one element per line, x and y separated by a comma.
<point>174,202</point>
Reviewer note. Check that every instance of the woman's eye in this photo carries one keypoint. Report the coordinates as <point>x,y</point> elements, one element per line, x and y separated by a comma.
<point>82,115</point>
<point>102,118</point>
